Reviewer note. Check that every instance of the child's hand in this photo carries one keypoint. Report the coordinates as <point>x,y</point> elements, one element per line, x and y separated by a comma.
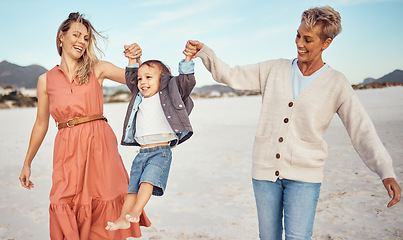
<point>133,52</point>
<point>192,48</point>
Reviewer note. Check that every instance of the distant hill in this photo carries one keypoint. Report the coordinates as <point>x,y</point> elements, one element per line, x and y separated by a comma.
<point>368,80</point>
<point>18,76</point>
<point>395,76</point>
<point>12,75</point>
<point>206,90</point>
<point>218,90</point>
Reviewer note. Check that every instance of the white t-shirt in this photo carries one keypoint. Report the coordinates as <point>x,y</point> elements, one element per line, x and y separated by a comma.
<point>151,123</point>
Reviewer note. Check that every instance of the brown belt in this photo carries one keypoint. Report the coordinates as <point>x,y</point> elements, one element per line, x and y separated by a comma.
<point>77,121</point>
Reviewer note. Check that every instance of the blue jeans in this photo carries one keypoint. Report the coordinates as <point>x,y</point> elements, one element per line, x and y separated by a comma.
<point>297,200</point>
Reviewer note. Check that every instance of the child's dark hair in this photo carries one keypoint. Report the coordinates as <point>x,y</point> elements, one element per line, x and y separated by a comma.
<point>157,63</point>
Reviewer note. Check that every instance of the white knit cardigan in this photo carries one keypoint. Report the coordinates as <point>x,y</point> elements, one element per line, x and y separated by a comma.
<point>289,140</point>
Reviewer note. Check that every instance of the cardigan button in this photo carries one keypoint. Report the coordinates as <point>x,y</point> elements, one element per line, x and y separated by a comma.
<point>277,173</point>
<point>285,120</point>
<point>278,155</point>
<point>281,139</point>
<point>169,117</point>
<point>290,104</point>
<point>180,105</point>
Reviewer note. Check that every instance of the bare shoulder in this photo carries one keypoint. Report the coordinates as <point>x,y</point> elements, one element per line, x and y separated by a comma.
<point>42,82</point>
<point>42,78</point>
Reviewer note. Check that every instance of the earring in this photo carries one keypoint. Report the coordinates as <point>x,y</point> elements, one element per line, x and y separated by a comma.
<point>61,44</point>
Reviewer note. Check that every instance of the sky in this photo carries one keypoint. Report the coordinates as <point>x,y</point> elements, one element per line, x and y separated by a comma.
<point>239,31</point>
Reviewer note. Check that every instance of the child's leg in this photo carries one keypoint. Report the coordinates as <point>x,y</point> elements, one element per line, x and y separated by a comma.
<point>121,222</point>
<point>144,194</point>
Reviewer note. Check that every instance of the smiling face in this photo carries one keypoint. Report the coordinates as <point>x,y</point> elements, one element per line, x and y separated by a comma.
<point>148,80</point>
<point>309,45</point>
<point>75,40</point>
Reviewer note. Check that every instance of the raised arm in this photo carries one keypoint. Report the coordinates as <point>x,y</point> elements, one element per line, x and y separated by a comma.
<point>246,77</point>
<point>186,79</point>
<point>106,70</point>
<point>38,132</point>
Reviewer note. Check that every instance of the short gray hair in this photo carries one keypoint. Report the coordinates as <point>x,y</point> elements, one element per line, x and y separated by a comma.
<point>327,17</point>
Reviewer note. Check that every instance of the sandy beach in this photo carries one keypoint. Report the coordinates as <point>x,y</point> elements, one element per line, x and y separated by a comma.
<point>209,194</point>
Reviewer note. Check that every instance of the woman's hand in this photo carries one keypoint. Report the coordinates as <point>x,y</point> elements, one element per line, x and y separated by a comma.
<point>24,177</point>
<point>192,48</point>
<point>133,52</point>
<point>394,190</point>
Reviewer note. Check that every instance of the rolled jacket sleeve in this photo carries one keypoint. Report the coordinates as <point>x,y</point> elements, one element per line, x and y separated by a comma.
<point>186,67</point>
<point>134,65</point>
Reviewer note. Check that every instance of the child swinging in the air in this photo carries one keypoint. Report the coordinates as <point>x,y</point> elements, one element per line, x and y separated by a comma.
<point>156,120</point>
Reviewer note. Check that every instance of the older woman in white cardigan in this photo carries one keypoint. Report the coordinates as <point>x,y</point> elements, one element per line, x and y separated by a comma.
<point>300,97</point>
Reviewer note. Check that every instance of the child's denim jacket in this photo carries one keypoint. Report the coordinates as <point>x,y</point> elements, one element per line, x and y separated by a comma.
<point>175,102</point>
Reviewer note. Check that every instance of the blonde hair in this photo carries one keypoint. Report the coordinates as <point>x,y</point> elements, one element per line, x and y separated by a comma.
<point>327,17</point>
<point>89,59</point>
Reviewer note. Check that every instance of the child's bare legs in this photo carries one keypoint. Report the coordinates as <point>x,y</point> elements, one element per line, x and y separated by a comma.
<point>132,207</point>
<point>121,222</point>
<point>144,194</point>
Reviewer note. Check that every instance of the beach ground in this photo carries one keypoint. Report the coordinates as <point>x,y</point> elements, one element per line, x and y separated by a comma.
<point>209,193</point>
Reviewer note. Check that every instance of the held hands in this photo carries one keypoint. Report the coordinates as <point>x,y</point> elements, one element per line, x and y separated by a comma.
<point>24,177</point>
<point>133,52</point>
<point>394,190</point>
<point>191,49</point>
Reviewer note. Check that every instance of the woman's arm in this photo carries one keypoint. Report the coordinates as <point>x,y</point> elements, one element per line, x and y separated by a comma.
<point>38,132</point>
<point>368,145</point>
<point>106,70</point>
<point>246,77</point>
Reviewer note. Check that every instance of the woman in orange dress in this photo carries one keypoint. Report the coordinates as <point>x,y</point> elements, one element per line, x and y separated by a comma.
<point>89,180</point>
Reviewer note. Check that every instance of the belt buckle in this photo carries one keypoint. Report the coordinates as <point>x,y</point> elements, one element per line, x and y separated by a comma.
<point>68,125</point>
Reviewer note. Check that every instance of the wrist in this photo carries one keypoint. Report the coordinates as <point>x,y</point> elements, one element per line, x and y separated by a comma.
<point>134,60</point>
<point>27,162</point>
<point>188,58</point>
<point>26,165</point>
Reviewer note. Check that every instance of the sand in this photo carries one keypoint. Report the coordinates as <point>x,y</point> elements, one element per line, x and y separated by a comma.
<point>209,193</point>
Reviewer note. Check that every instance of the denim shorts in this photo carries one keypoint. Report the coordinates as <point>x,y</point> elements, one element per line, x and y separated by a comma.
<point>151,165</point>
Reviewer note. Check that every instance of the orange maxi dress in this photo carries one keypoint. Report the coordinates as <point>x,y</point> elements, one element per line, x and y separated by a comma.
<point>89,180</point>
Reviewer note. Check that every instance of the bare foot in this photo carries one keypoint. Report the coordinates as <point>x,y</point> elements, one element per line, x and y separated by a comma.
<point>120,223</point>
<point>132,218</point>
